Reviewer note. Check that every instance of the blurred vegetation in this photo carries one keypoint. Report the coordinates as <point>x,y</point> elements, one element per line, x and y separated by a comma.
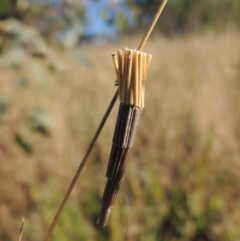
<point>178,17</point>
<point>188,15</point>
<point>7,8</point>
<point>182,177</point>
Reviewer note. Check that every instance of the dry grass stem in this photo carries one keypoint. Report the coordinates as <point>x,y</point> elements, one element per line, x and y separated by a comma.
<point>21,230</point>
<point>152,25</point>
<point>101,125</point>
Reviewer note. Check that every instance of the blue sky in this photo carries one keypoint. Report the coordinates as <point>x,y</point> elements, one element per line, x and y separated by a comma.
<point>100,16</point>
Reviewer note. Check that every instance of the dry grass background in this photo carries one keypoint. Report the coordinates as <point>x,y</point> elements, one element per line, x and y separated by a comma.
<point>182,179</point>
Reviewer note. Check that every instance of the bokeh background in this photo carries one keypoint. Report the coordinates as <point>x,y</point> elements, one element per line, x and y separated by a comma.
<point>56,81</point>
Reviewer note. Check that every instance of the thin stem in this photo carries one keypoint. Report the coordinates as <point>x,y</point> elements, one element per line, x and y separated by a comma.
<point>155,19</point>
<point>21,230</point>
<point>82,164</point>
<point>99,129</point>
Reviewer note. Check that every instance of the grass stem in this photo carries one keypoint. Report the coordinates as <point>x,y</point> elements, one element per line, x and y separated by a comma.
<point>21,230</point>
<point>99,129</point>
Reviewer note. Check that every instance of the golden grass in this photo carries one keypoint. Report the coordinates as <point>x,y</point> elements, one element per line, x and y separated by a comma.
<point>187,145</point>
